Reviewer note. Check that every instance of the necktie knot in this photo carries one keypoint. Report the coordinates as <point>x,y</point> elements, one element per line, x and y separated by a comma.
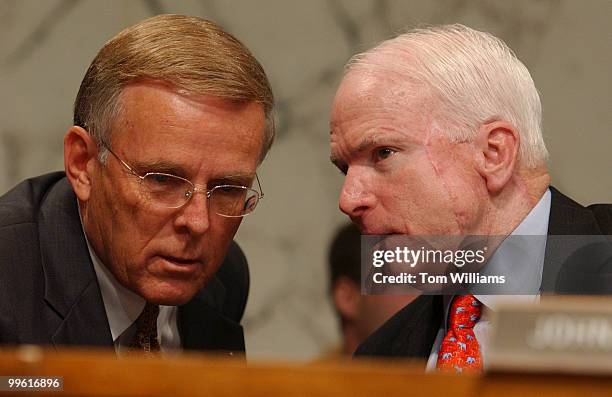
<point>465,312</point>
<point>148,317</point>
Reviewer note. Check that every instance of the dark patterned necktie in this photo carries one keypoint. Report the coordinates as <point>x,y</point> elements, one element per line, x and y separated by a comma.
<point>460,350</point>
<point>145,339</point>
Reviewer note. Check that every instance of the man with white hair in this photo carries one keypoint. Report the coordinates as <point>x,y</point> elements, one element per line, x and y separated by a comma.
<point>438,132</point>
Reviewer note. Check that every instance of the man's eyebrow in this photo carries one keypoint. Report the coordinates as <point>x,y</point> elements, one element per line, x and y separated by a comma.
<point>367,142</point>
<point>382,139</point>
<point>159,166</point>
<point>166,167</point>
<point>237,178</point>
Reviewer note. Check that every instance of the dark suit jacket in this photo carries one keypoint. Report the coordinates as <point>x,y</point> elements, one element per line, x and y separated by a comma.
<point>412,331</point>
<point>49,292</point>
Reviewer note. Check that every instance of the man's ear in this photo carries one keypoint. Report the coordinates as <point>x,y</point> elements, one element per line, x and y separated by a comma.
<point>80,153</point>
<point>498,145</point>
<point>346,296</point>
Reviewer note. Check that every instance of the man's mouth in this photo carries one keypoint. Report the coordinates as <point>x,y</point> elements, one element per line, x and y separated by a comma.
<point>181,261</point>
<point>180,265</point>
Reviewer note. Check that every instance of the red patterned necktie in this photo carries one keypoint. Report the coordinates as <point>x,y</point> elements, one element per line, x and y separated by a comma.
<point>459,350</point>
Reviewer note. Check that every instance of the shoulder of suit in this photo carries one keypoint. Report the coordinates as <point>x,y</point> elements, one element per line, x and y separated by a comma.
<point>597,216</point>
<point>603,215</point>
<point>20,205</point>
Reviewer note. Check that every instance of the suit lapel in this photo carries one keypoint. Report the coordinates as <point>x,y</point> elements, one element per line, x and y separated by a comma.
<point>421,327</point>
<point>409,333</point>
<point>85,323</point>
<point>71,287</point>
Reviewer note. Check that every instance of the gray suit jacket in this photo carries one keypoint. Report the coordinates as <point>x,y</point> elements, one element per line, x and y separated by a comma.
<point>49,292</point>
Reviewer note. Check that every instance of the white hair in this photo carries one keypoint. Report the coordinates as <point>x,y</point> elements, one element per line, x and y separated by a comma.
<point>474,77</point>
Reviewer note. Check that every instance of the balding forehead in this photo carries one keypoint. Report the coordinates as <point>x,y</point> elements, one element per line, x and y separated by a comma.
<point>366,85</point>
<point>370,79</point>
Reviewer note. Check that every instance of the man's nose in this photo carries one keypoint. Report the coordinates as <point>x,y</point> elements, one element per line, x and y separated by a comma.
<point>355,198</point>
<point>195,214</point>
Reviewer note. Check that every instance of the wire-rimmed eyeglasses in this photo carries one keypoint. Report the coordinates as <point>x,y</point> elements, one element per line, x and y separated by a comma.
<point>172,191</point>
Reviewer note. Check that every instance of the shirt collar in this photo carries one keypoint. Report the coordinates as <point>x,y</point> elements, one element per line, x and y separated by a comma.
<point>521,257</point>
<point>122,306</point>
<point>525,264</point>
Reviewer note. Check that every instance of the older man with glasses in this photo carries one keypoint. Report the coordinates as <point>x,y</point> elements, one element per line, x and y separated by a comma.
<point>120,250</point>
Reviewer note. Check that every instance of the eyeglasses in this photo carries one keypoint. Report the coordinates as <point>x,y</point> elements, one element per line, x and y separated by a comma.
<point>171,191</point>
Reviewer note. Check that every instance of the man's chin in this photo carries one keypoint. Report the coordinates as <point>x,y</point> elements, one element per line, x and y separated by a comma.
<point>170,293</point>
<point>169,300</point>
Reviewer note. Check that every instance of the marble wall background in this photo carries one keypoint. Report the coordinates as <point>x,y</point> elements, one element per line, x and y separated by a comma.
<point>46,46</point>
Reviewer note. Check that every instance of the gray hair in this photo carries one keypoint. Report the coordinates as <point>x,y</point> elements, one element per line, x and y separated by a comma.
<point>474,77</point>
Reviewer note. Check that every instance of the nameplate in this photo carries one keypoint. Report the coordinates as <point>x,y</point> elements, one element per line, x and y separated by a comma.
<point>559,334</point>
